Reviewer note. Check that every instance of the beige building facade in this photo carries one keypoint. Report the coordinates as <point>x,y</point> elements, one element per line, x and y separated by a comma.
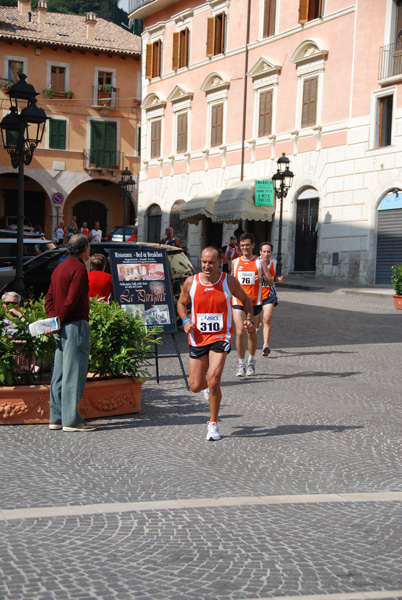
<point>228,86</point>
<point>87,73</point>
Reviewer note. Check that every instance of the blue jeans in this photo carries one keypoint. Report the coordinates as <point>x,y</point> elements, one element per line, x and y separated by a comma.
<point>69,372</point>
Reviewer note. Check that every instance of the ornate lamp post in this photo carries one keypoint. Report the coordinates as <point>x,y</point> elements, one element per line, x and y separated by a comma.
<point>283,180</point>
<point>22,130</point>
<point>127,185</point>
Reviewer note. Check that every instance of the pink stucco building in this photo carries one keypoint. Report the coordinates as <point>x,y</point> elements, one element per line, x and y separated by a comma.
<point>230,85</point>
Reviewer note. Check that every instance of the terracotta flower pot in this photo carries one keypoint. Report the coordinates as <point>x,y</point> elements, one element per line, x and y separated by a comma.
<point>28,404</point>
<point>397,301</point>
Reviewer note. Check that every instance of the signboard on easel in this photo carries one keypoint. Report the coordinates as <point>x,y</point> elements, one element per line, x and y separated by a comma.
<point>142,287</point>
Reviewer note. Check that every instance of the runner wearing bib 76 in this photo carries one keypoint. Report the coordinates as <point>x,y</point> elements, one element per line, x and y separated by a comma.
<point>249,270</point>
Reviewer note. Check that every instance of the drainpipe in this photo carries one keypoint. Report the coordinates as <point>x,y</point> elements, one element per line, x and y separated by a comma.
<point>245,92</point>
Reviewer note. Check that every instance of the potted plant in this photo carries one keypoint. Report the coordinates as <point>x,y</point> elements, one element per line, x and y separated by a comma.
<point>49,93</point>
<point>69,95</point>
<point>105,101</point>
<point>396,279</point>
<point>120,350</point>
<point>6,86</point>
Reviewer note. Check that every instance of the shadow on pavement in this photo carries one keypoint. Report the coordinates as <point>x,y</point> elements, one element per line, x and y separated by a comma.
<point>257,431</point>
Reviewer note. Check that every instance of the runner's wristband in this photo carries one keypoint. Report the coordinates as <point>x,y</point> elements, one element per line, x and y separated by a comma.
<point>185,320</point>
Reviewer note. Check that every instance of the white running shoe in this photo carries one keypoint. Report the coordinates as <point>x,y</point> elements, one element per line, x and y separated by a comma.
<point>250,369</point>
<point>241,371</point>
<point>213,432</point>
<point>206,393</point>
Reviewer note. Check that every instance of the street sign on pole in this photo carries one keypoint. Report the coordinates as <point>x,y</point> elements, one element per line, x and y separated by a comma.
<point>58,198</point>
<point>264,192</point>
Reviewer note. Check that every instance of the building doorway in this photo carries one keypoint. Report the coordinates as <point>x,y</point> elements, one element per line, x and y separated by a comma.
<point>306,231</point>
<point>389,237</point>
<point>91,211</point>
<point>154,224</point>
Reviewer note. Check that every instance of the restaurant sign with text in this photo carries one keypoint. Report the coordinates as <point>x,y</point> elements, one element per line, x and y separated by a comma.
<point>141,281</point>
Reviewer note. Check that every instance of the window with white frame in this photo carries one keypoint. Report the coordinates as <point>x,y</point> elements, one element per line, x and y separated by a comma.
<point>265,113</point>
<point>14,65</point>
<point>216,87</point>
<point>268,17</point>
<point>310,60</point>
<point>265,76</point>
<point>181,97</point>
<point>154,107</point>
<point>382,118</point>
<point>56,130</point>
<point>58,76</point>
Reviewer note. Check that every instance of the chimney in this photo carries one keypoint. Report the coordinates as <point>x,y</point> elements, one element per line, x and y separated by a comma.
<point>24,6</point>
<point>90,20</point>
<point>42,10</point>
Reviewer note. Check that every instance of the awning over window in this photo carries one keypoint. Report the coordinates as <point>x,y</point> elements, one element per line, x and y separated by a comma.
<point>196,208</point>
<point>237,203</point>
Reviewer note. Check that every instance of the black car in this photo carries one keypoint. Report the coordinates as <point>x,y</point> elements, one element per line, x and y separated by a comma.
<point>38,271</point>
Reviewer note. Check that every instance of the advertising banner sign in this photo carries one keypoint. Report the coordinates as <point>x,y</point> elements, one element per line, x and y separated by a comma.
<point>142,286</point>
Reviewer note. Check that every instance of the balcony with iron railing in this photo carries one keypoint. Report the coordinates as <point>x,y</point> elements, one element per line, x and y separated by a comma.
<point>103,160</point>
<point>390,66</point>
<point>105,96</point>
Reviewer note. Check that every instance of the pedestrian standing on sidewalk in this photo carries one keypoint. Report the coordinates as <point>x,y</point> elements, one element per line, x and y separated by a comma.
<point>269,297</point>
<point>248,269</point>
<point>67,298</point>
<point>210,328</point>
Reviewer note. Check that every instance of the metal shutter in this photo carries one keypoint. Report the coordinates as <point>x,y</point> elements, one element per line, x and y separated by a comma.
<point>389,244</point>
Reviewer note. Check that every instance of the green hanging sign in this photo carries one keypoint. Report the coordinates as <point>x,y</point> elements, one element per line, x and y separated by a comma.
<point>264,192</point>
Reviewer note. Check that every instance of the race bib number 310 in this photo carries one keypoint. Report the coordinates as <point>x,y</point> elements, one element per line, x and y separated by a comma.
<point>210,322</point>
<point>247,277</point>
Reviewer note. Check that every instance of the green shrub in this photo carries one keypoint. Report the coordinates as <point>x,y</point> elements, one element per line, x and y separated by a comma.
<point>120,344</point>
<point>397,279</point>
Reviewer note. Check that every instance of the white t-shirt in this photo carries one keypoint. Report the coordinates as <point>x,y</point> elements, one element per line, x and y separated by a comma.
<point>95,235</point>
<point>59,233</point>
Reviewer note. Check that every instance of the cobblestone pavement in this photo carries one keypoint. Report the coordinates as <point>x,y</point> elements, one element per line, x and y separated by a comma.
<point>302,497</point>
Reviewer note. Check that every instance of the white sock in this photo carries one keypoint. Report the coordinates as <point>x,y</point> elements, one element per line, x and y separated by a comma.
<point>251,359</point>
<point>242,361</point>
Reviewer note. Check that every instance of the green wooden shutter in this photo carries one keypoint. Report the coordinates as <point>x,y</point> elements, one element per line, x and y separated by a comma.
<point>57,134</point>
<point>103,143</point>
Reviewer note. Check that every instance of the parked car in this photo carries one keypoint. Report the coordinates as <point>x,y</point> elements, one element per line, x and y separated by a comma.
<point>31,248</point>
<point>11,223</point>
<point>38,271</point>
<point>116,235</point>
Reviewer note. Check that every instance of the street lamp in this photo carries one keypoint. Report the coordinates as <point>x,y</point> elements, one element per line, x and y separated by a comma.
<point>283,180</point>
<point>127,185</point>
<point>22,130</point>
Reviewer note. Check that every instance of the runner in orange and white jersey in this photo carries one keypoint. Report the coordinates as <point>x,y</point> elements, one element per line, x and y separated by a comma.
<point>209,328</point>
<point>249,270</point>
<point>230,252</point>
<point>269,297</point>
<point>211,311</point>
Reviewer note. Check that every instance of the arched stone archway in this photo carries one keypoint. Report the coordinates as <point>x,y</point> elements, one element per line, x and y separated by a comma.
<point>36,200</point>
<point>91,211</point>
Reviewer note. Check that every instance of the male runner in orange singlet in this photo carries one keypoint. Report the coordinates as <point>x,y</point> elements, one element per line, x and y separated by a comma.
<point>210,328</point>
<point>248,269</point>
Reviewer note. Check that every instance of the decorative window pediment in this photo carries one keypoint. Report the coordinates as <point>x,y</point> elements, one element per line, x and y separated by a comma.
<point>214,82</point>
<point>180,92</point>
<point>310,50</point>
<point>154,100</point>
<point>263,67</point>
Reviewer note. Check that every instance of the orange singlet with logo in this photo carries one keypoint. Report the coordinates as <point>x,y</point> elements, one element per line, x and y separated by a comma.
<point>246,271</point>
<point>266,288</point>
<point>211,311</point>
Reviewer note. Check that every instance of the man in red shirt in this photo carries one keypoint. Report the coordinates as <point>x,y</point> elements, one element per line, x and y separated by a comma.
<point>67,298</point>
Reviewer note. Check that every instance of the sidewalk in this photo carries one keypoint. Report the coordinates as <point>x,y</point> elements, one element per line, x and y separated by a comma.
<point>331,287</point>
